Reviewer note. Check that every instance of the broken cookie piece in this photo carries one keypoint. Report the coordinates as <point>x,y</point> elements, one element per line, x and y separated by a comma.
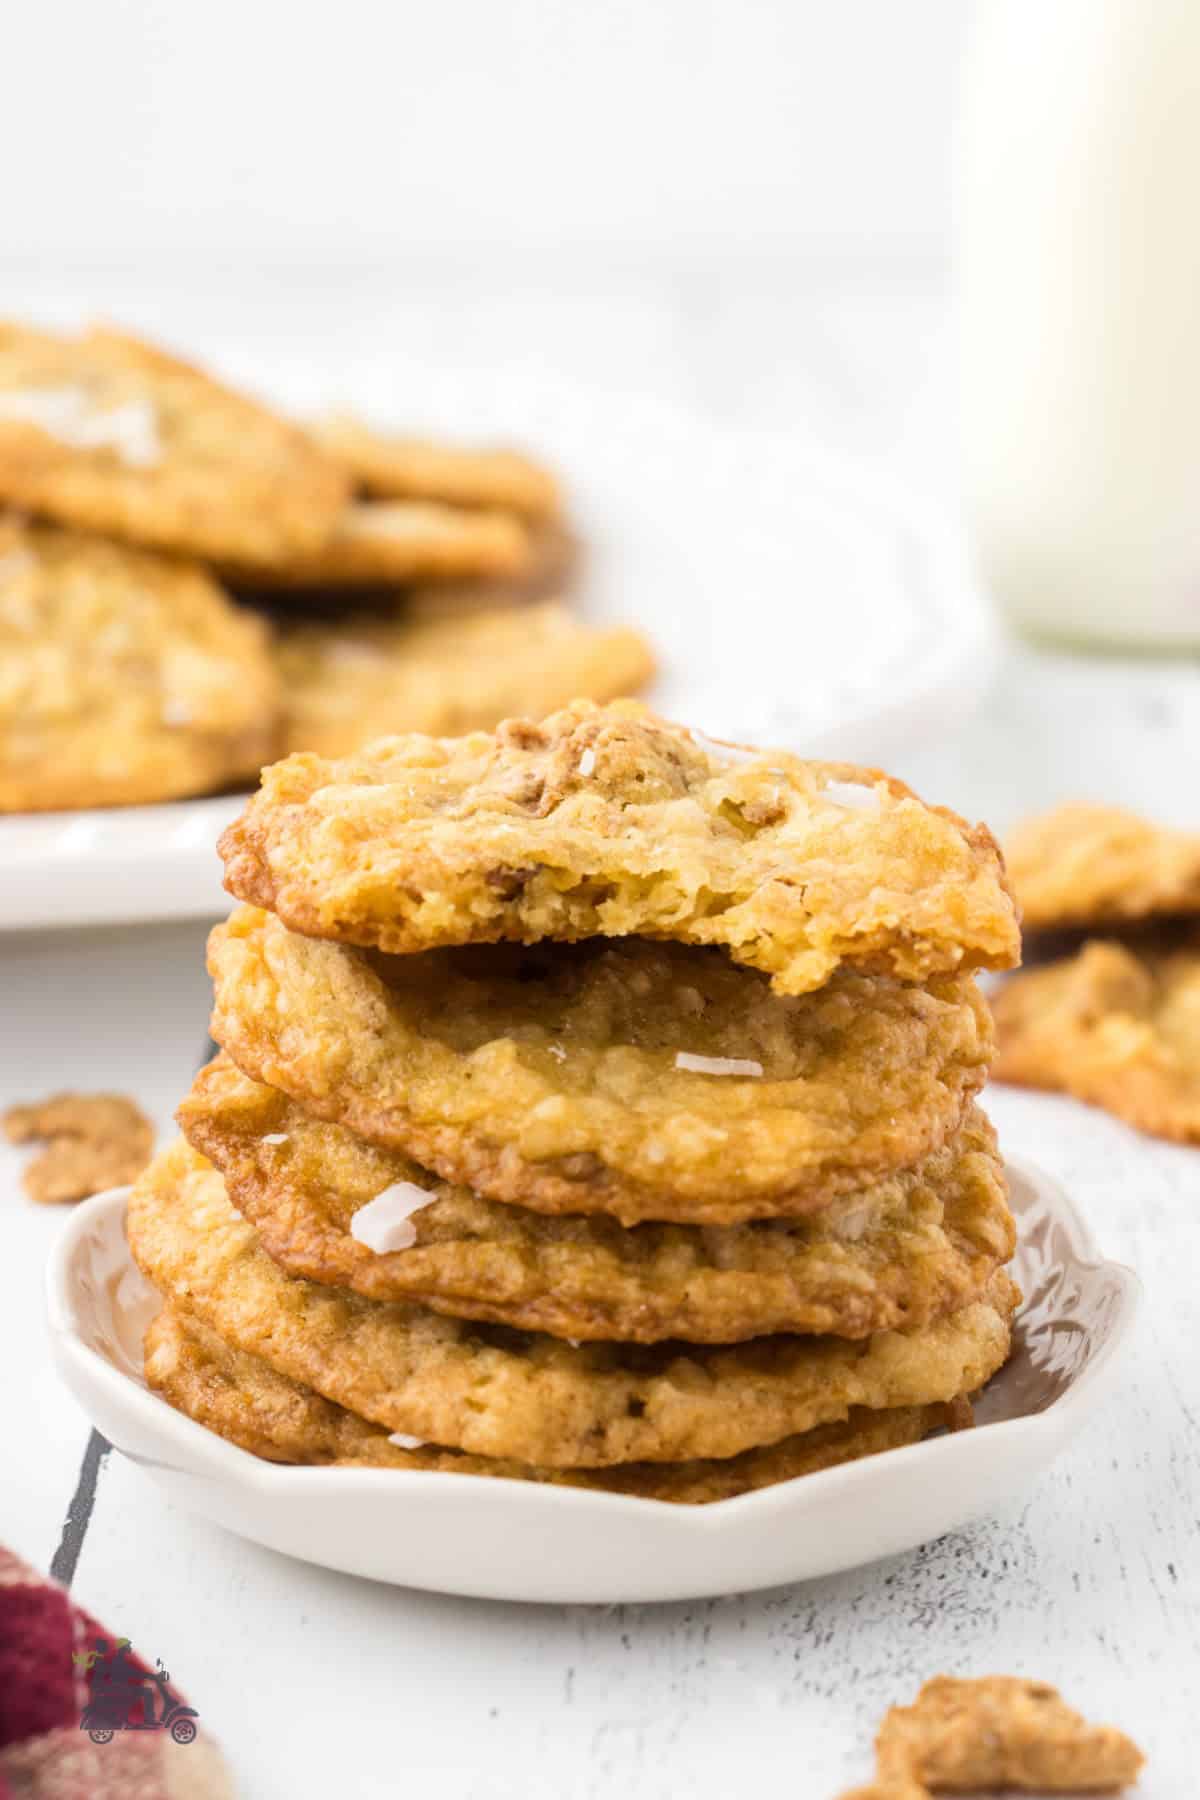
<point>93,1142</point>
<point>1113,1025</point>
<point>992,1733</point>
<point>1088,866</point>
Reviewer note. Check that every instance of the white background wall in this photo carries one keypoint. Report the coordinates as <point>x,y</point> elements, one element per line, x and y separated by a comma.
<point>270,133</point>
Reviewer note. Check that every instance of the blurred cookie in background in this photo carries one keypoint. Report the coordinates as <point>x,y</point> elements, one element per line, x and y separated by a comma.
<point>1085,865</point>
<point>554,567</point>
<point>388,544</point>
<point>124,676</point>
<point>1110,1010</point>
<point>396,467</point>
<point>90,1142</point>
<point>1117,1025</point>
<point>347,681</point>
<point>107,433</point>
<point>392,582</point>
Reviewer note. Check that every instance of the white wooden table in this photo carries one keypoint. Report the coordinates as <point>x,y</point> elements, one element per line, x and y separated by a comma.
<point>316,1682</point>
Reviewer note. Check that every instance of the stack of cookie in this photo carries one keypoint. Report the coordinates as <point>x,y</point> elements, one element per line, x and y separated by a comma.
<point>595,1104</point>
<point>140,659</point>
<point>1112,913</point>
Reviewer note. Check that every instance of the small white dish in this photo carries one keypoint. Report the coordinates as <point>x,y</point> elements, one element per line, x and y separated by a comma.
<point>797,599</point>
<point>513,1540</point>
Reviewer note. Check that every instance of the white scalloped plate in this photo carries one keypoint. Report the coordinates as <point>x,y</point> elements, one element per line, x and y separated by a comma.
<point>513,1540</point>
<point>796,598</point>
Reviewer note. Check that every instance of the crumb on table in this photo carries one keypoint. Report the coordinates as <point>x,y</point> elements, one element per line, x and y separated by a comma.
<point>93,1142</point>
<point>995,1732</point>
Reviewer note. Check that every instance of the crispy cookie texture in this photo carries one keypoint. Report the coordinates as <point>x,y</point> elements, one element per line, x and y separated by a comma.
<point>923,1243</point>
<point>1113,1025</point>
<point>376,543</point>
<point>608,821</point>
<point>124,676</point>
<point>494,1392</point>
<point>1094,866</point>
<point>996,1732</point>
<point>352,680</point>
<point>109,434</point>
<point>93,1142</point>
<point>406,468</point>
<point>644,1080</point>
<point>245,1401</point>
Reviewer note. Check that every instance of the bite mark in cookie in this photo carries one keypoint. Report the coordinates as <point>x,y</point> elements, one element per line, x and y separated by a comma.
<point>421,842</point>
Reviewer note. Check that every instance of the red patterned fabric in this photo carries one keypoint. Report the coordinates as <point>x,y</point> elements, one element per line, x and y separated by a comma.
<point>46,1646</point>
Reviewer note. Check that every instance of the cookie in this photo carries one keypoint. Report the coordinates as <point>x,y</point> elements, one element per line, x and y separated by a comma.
<point>553,570</point>
<point>244,1400</point>
<point>110,435</point>
<point>608,821</point>
<point>349,681</point>
<point>1112,1025</point>
<point>93,1142</point>
<point>1096,866</point>
<point>645,1080</point>
<point>999,1732</point>
<point>919,1245</point>
<point>406,468</point>
<point>376,543</point>
<point>495,1392</point>
<point>124,676</point>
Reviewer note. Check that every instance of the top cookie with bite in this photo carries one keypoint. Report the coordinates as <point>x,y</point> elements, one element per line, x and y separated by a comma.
<point>608,821</point>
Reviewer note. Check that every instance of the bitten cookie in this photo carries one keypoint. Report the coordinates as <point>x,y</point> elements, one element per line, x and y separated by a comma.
<point>609,821</point>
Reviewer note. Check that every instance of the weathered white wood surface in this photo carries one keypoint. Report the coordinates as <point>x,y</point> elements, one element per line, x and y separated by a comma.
<point>319,1683</point>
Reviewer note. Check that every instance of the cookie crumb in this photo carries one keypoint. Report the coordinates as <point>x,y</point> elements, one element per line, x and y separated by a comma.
<point>93,1142</point>
<point>995,1732</point>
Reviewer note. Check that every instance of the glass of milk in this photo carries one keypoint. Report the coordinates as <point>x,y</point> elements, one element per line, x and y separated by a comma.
<point>1079,309</point>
